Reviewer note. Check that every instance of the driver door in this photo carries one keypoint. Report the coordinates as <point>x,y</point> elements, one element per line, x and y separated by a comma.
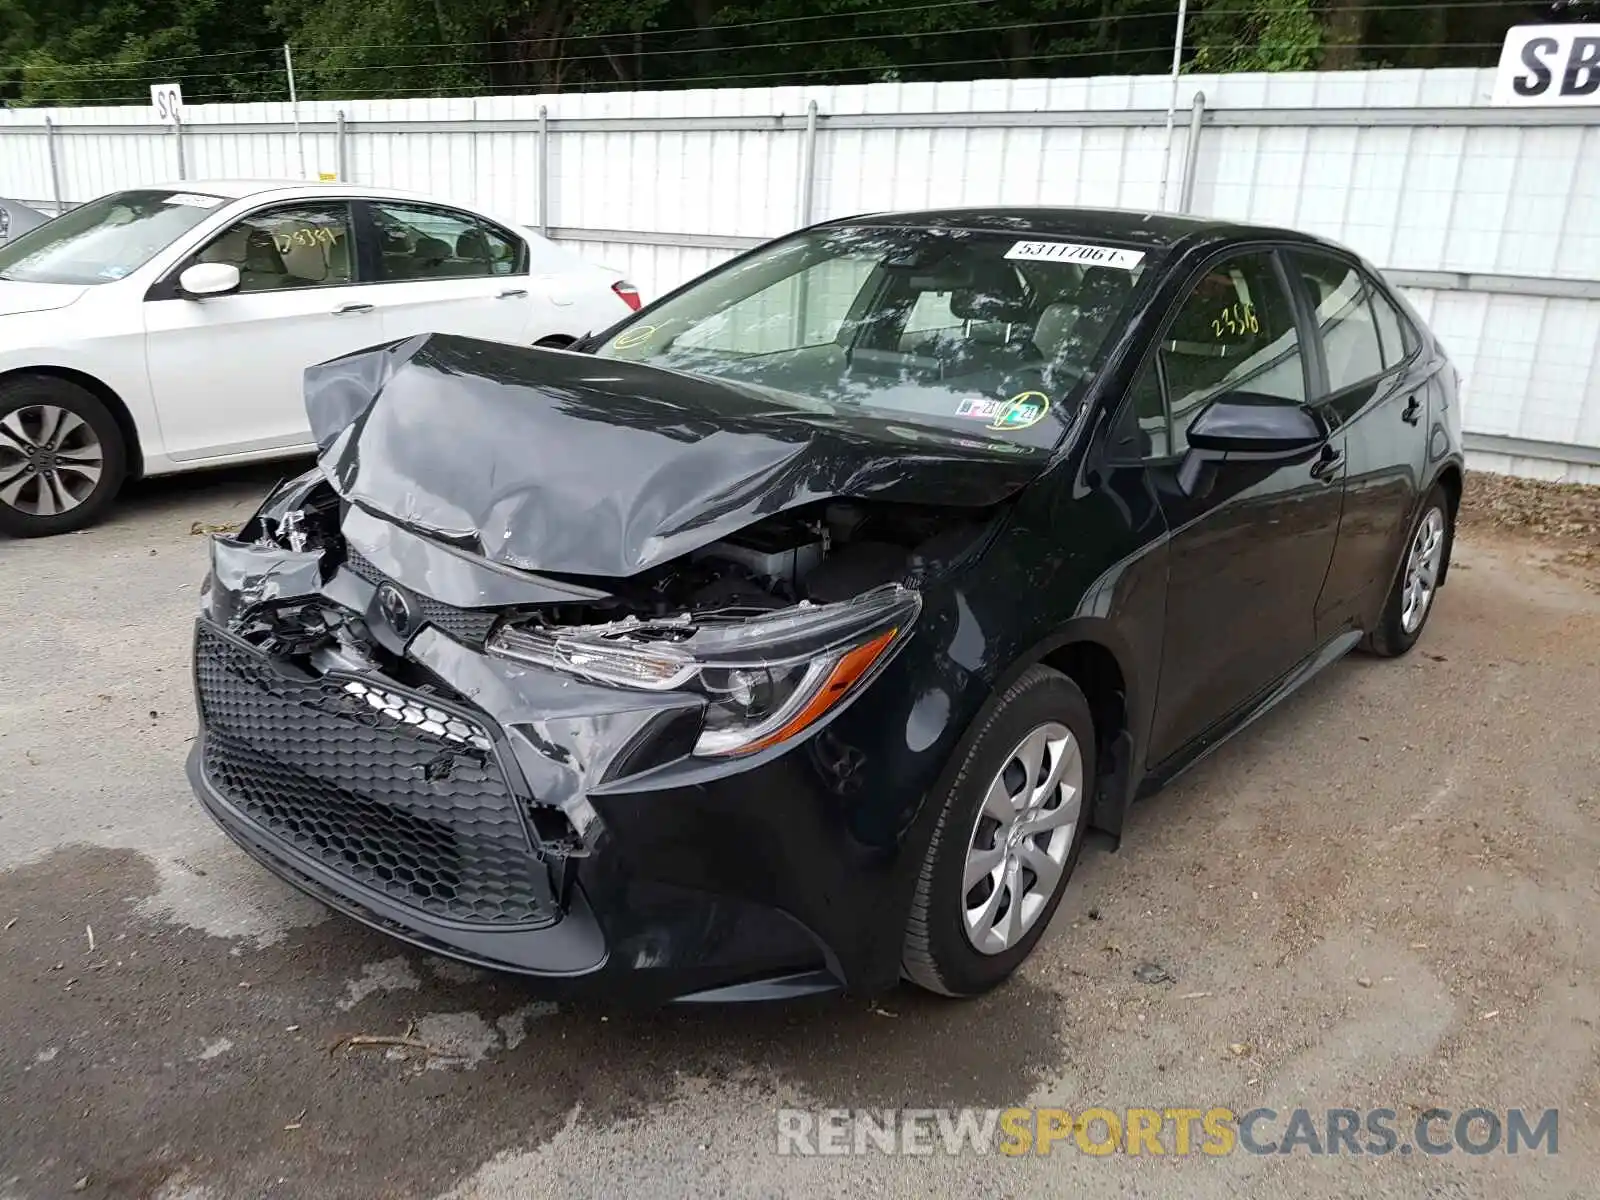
<point>1250,547</point>
<point>228,372</point>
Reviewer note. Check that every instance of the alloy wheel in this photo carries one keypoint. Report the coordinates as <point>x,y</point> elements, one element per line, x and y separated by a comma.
<point>1021,838</point>
<point>51,460</point>
<point>1422,570</point>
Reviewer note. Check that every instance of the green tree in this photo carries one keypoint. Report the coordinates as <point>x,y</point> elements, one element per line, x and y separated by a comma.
<point>1248,35</point>
<point>100,51</point>
<point>84,51</point>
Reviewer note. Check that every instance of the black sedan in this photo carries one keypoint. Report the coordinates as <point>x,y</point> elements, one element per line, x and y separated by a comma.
<point>790,635</point>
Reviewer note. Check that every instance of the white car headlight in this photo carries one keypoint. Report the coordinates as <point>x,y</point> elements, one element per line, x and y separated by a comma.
<point>766,679</point>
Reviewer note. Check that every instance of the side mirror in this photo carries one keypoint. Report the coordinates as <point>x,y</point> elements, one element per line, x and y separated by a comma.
<point>1248,427</point>
<point>1248,424</point>
<point>209,279</point>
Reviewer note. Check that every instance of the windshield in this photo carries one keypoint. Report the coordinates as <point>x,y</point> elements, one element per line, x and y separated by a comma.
<point>105,239</point>
<point>975,330</point>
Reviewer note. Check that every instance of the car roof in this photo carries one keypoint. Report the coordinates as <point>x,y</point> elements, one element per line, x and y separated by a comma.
<point>1130,226</point>
<point>239,189</point>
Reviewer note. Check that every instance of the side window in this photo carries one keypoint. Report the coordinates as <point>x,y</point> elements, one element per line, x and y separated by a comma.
<point>1141,430</point>
<point>498,252</point>
<point>1235,333</point>
<point>1393,329</point>
<point>434,243</point>
<point>1342,298</point>
<point>301,245</point>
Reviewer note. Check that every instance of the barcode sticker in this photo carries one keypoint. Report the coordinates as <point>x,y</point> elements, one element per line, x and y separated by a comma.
<point>1073,252</point>
<point>193,200</point>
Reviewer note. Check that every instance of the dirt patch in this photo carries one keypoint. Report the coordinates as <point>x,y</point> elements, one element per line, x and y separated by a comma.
<point>1565,513</point>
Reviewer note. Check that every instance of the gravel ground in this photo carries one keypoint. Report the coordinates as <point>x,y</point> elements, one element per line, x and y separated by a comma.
<point>1383,894</point>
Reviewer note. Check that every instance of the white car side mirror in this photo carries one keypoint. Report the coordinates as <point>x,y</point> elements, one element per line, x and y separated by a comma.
<point>209,279</point>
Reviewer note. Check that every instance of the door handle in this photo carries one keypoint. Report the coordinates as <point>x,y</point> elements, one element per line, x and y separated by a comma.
<point>352,308</point>
<point>510,292</point>
<point>1329,465</point>
<point>1412,412</point>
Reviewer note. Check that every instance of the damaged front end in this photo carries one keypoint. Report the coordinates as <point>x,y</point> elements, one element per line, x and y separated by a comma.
<point>528,767</point>
<point>419,736</point>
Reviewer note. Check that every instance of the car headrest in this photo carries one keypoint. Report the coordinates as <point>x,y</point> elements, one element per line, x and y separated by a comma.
<point>994,293</point>
<point>473,245</point>
<point>261,253</point>
<point>431,250</point>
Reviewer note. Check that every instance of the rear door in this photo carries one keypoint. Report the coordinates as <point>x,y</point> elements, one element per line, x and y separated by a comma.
<point>227,372</point>
<point>441,270</point>
<point>1250,548</point>
<point>1375,395</point>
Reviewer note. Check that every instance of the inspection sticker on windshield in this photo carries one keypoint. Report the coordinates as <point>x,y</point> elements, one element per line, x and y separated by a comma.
<point>1019,412</point>
<point>1089,256</point>
<point>193,200</point>
<point>979,408</point>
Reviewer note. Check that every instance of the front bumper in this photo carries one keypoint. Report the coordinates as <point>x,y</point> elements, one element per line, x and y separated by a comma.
<point>422,828</point>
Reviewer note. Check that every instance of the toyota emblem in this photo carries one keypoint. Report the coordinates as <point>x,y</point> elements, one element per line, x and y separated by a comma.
<point>395,608</point>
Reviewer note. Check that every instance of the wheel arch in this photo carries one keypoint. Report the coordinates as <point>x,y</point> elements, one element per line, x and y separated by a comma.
<point>101,392</point>
<point>1452,480</point>
<point>1089,652</point>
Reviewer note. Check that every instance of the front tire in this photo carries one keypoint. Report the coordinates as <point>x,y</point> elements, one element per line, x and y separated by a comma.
<point>1008,836</point>
<point>62,457</point>
<point>1416,585</point>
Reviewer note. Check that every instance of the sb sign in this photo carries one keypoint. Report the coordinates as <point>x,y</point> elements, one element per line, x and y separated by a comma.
<point>1546,65</point>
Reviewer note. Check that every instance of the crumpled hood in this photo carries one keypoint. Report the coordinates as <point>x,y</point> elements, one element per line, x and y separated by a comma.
<point>553,461</point>
<point>16,297</point>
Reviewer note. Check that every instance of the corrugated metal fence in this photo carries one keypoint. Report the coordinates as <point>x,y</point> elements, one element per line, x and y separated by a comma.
<point>1488,217</point>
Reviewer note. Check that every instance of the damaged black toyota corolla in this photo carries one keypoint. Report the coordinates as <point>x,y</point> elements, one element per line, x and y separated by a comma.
<point>790,635</point>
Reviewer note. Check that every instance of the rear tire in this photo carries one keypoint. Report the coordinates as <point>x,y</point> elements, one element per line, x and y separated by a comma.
<point>62,457</point>
<point>1411,598</point>
<point>983,899</point>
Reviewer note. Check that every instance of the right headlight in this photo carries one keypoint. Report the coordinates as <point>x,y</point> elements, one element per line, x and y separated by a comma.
<point>766,679</point>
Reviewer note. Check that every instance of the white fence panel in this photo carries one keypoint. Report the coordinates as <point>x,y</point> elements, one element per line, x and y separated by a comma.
<point>1490,219</point>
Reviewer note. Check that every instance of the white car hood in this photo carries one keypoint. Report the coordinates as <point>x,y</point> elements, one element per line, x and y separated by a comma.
<point>36,297</point>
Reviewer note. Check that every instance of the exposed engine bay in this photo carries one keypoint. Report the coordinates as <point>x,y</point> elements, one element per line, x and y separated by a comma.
<point>818,554</point>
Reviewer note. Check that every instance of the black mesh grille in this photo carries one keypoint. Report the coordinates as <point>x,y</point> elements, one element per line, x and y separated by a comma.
<point>379,783</point>
<point>469,625</point>
<point>355,562</point>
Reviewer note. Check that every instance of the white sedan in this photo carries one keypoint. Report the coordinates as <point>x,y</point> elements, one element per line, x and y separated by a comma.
<point>166,328</point>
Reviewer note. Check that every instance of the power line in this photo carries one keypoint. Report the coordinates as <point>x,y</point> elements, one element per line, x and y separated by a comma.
<point>866,37</point>
<point>526,89</point>
<point>567,88</point>
<point>90,65</point>
<point>1168,14</point>
<point>313,68</point>
<point>584,37</point>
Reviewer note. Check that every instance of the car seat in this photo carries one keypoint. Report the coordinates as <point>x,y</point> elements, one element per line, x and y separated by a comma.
<point>263,269</point>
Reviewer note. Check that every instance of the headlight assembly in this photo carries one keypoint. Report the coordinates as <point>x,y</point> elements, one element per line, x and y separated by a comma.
<point>765,679</point>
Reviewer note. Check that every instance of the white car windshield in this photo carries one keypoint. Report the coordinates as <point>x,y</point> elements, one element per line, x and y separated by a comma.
<point>979,330</point>
<point>104,240</point>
